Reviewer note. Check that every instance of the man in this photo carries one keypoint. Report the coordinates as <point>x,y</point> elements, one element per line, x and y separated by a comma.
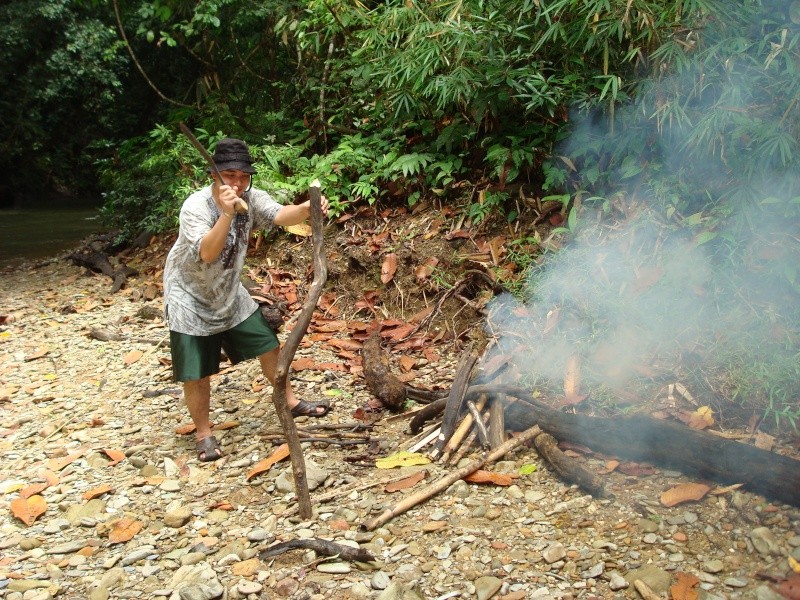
<point>206,306</point>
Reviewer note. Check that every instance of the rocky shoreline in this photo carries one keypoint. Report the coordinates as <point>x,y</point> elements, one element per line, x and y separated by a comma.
<point>127,510</point>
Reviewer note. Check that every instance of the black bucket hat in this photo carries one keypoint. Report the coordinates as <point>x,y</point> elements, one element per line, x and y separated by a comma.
<point>231,153</point>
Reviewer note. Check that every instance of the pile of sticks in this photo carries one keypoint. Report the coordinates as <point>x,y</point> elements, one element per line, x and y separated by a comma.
<point>472,418</point>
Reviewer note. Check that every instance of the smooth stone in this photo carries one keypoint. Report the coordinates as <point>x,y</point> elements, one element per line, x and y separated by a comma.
<point>380,580</point>
<point>713,566</point>
<point>67,547</point>
<point>24,585</point>
<point>334,567</point>
<point>258,535</point>
<point>616,581</point>
<point>554,553</point>
<point>178,517</point>
<point>764,541</point>
<point>657,579</point>
<point>249,587</point>
<point>398,591</point>
<point>486,587</point>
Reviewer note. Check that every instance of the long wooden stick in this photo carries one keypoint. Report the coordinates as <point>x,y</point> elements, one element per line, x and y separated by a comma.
<point>287,354</point>
<point>449,479</point>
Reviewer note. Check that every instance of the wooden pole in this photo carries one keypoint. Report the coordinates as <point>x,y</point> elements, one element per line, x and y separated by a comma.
<point>287,354</point>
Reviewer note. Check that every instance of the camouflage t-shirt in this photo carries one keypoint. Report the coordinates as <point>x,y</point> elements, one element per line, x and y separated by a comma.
<point>207,298</point>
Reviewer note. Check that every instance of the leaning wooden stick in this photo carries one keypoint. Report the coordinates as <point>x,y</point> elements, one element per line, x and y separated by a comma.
<point>448,480</point>
<point>287,354</point>
<point>460,433</point>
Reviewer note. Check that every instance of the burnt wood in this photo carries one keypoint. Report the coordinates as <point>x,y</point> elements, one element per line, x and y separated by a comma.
<point>661,443</point>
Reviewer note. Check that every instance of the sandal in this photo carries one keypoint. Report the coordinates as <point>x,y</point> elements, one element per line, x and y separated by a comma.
<point>310,409</point>
<point>208,449</point>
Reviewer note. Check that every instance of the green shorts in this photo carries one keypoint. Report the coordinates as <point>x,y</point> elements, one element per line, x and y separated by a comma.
<point>197,356</point>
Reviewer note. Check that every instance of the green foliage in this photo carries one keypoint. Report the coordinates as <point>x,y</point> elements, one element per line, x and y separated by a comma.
<point>61,69</point>
<point>487,204</point>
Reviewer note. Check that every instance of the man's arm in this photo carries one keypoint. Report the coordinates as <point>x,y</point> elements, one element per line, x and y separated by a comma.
<point>214,241</point>
<point>294,214</point>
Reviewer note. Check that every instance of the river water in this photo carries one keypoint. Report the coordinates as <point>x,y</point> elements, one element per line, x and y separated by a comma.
<point>28,235</point>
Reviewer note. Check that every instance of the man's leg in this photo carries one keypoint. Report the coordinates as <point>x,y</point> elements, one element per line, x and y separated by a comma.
<point>198,400</point>
<point>269,365</point>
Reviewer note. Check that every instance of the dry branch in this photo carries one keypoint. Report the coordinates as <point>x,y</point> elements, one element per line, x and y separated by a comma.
<point>448,480</point>
<point>422,416</point>
<point>567,468</point>
<point>287,354</point>
<point>97,261</point>
<point>497,424</point>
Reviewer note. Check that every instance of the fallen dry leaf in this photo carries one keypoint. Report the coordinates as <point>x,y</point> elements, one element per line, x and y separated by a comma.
<point>97,492</point>
<point>685,492</point>
<point>185,429</point>
<point>684,587</point>
<point>115,455</point>
<point>38,353</point>
<point>701,418</point>
<point>123,530</point>
<point>407,363</point>
<point>303,229</point>
<point>481,476</point>
<point>725,490</point>
<point>56,464</point>
<point>793,563</point>
<point>611,466</point>
<point>406,483</point>
<point>402,459</point>
<point>262,466</point>
<point>33,490</point>
<point>132,356</point>
<point>28,510</point>
<point>50,477</point>
<point>226,425</point>
<point>389,267</point>
<point>424,270</point>
<point>635,469</point>
<point>789,588</point>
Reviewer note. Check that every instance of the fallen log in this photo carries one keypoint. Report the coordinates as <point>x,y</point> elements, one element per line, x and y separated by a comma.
<point>662,443</point>
<point>99,262</point>
<point>323,547</point>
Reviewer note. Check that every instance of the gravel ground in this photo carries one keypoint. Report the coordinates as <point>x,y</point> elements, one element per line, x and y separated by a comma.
<point>118,506</point>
